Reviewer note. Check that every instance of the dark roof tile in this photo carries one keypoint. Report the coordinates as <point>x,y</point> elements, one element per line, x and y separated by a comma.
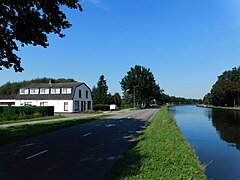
<point>49,96</point>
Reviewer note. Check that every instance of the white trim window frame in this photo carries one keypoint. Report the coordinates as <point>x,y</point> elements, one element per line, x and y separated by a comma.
<point>65,106</point>
<point>55,90</point>
<point>44,90</point>
<point>45,103</point>
<point>66,90</point>
<point>34,91</point>
<point>23,91</point>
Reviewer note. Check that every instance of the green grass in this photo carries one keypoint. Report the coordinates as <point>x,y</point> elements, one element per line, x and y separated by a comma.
<point>160,153</point>
<point>13,133</point>
<point>32,119</point>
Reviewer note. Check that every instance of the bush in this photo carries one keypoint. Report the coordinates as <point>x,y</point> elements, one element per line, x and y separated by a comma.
<point>25,112</point>
<point>101,107</point>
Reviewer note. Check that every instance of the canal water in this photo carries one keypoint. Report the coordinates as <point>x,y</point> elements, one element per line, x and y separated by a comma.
<point>215,136</point>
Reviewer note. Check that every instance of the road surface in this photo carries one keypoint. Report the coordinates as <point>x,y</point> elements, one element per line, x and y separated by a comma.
<point>86,151</point>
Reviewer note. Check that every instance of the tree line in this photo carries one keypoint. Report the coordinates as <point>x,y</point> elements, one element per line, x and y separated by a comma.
<point>226,90</point>
<point>139,86</point>
<point>140,89</point>
<point>13,88</point>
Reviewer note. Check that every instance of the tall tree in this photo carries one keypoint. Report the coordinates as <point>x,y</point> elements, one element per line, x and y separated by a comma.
<point>24,22</point>
<point>100,93</point>
<point>140,83</point>
<point>117,99</point>
<point>226,91</point>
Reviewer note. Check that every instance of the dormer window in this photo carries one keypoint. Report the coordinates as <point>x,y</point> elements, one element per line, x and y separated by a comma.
<point>23,91</point>
<point>44,91</point>
<point>55,91</point>
<point>66,90</point>
<point>34,91</point>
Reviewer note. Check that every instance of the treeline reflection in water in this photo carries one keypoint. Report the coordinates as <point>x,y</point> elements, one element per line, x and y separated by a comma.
<point>227,124</point>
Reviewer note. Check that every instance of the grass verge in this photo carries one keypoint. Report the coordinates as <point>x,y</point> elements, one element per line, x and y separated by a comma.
<point>161,152</point>
<point>13,133</point>
<point>32,119</point>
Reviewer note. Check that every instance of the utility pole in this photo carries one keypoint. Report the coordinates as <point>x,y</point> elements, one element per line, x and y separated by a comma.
<point>134,98</point>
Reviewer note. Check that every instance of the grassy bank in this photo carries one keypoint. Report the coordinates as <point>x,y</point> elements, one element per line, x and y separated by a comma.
<point>160,153</point>
<point>13,133</point>
<point>32,119</point>
<point>218,107</point>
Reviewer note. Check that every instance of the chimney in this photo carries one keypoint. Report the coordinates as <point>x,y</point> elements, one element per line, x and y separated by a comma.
<point>50,82</point>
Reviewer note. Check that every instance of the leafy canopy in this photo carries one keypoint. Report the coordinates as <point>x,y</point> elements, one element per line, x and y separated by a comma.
<point>24,22</point>
<point>226,91</point>
<point>140,81</point>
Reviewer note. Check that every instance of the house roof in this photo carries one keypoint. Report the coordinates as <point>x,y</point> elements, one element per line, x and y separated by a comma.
<point>49,96</point>
<point>7,96</point>
<point>53,85</point>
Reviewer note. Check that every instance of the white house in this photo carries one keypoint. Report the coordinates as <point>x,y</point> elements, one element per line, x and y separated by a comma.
<point>65,97</point>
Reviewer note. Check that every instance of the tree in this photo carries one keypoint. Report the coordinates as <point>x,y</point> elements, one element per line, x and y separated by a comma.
<point>100,93</point>
<point>117,99</point>
<point>140,84</point>
<point>29,22</point>
<point>207,99</point>
<point>226,91</point>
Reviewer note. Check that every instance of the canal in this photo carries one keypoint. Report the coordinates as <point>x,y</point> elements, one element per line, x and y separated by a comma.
<point>215,136</point>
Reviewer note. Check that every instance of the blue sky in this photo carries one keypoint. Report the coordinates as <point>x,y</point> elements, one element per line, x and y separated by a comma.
<point>186,44</point>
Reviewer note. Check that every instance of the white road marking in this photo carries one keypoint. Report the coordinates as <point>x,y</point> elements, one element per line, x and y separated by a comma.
<point>110,125</point>
<point>87,134</point>
<point>37,154</point>
<point>30,144</point>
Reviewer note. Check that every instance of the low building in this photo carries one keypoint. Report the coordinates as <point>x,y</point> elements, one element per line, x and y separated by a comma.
<point>65,97</point>
<point>7,100</point>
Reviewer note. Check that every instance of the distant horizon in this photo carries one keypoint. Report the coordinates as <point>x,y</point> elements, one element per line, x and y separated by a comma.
<point>186,45</point>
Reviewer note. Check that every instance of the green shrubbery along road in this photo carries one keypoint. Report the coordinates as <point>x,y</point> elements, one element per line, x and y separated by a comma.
<point>160,153</point>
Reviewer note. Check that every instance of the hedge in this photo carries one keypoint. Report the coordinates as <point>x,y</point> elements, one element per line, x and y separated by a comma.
<point>101,107</point>
<point>25,112</point>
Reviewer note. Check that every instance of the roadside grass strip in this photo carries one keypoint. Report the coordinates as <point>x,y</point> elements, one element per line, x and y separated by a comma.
<point>18,132</point>
<point>162,152</point>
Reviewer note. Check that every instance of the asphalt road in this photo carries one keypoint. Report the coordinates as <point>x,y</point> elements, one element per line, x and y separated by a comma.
<point>86,151</point>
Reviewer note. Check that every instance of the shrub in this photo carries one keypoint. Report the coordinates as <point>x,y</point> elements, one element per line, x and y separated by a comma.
<point>25,112</point>
<point>101,107</point>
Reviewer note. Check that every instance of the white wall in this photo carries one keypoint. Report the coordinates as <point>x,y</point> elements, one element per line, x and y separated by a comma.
<point>58,104</point>
<point>83,98</point>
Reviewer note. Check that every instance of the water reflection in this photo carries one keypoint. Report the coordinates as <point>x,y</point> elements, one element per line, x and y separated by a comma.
<point>227,124</point>
<point>213,133</point>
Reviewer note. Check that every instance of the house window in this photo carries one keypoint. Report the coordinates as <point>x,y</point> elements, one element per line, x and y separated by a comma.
<point>43,103</point>
<point>44,91</point>
<point>23,91</point>
<point>86,94</point>
<point>80,94</point>
<point>55,91</point>
<point>66,90</point>
<point>34,91</point>
<point>89,105</point>
<point>69,90</point>
<point>76,106</point>
<point>27,103</point>
<point>65,106</point>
